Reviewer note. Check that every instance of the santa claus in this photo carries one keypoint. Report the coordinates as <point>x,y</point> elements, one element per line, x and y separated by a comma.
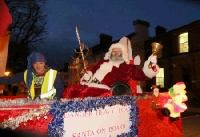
<point>117,66</point>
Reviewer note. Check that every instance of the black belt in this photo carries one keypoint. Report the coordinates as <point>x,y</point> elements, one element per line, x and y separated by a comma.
<point>96,81</point>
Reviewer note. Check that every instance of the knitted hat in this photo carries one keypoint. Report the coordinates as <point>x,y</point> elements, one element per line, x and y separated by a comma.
<point>125,45</point>
<point>33,58</point>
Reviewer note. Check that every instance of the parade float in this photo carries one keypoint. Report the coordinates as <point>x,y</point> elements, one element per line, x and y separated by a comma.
<point>116,116</point>
<point>150,114</point>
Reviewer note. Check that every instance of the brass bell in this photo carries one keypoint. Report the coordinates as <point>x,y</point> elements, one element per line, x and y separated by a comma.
<point>156,47</point>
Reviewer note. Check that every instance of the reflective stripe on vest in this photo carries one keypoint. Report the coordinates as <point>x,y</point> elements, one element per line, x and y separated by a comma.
<point>47,88</point>
<point>49,94</point>
<point>50,84</point>
<point>50,79</point>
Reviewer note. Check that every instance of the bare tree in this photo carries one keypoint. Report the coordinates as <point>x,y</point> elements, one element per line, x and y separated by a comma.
<point>27,30</point>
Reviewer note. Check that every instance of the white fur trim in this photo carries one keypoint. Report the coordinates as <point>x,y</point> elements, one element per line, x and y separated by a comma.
<point>87,78</point>
<point>107,56</point>
<point>124,52</point>
<point>104,69</point>
<point>98,86</point>
<point>137,60</point>
<point>148,71</point>
<point>126,41</point>
<point>139,89</point>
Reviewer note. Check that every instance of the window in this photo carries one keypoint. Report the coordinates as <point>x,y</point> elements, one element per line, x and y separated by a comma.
<point>160,78</point>
<point>183,42</point>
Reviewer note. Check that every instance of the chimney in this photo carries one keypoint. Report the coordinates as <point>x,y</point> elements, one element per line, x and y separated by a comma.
<point>140,24</point>
<point>105,39</point>
<point>160,30</point>
<point>142,28</point>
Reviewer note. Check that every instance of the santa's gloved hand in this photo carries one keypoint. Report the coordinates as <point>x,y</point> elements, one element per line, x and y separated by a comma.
<point>153,59</point>
<point>87,75</point>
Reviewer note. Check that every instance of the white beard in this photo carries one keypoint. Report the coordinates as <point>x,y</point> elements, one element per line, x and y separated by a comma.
<point>156,92</point>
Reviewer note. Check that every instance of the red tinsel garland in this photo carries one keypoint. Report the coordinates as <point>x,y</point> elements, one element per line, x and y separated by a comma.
<point>39,126</point>
<point>34,126</point>
<point>150,124</point>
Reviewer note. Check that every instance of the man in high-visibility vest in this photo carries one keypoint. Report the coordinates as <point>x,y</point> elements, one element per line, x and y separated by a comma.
<point>42,82</point>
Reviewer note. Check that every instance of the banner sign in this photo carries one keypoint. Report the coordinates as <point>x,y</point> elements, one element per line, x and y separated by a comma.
<point>95,117</point>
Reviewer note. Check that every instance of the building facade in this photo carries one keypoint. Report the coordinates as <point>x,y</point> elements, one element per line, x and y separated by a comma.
<point>179,58</point>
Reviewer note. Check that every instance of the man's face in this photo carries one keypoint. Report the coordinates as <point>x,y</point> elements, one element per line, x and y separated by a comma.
<point>116,54</point>
<point>39,67</point>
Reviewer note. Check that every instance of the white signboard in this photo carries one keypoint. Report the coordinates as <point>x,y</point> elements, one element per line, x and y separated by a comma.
<point>108,122</point>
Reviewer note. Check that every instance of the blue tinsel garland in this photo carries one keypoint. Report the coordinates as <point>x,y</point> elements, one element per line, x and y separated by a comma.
<point>56,126</point>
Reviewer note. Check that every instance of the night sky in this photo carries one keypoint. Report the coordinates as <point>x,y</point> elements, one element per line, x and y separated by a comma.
<point>112,17</point>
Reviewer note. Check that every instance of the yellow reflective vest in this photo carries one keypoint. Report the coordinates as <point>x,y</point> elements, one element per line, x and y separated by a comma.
<point>47,88</point>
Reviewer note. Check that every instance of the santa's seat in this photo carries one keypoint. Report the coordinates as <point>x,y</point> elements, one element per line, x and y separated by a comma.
<point>120,88</point>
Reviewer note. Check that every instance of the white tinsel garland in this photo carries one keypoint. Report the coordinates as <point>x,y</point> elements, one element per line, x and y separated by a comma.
<point>13,123</point>
<point>23,101</point>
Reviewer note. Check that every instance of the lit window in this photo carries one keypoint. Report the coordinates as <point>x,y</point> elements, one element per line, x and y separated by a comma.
<point>183,42</point>
<point>160,78</point>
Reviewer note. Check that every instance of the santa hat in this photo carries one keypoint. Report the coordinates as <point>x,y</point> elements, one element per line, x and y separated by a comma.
<point>155,90</point>
<point>153,86</point>
<point>125,45</point>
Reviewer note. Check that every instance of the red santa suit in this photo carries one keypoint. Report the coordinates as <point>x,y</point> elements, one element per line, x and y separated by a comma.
<point>106,73</point>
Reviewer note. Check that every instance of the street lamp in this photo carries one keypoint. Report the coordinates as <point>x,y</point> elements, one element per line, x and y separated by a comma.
<point>6,73</point>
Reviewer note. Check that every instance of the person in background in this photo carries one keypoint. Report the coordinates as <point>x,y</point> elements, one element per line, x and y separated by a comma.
<point>42,82</point>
